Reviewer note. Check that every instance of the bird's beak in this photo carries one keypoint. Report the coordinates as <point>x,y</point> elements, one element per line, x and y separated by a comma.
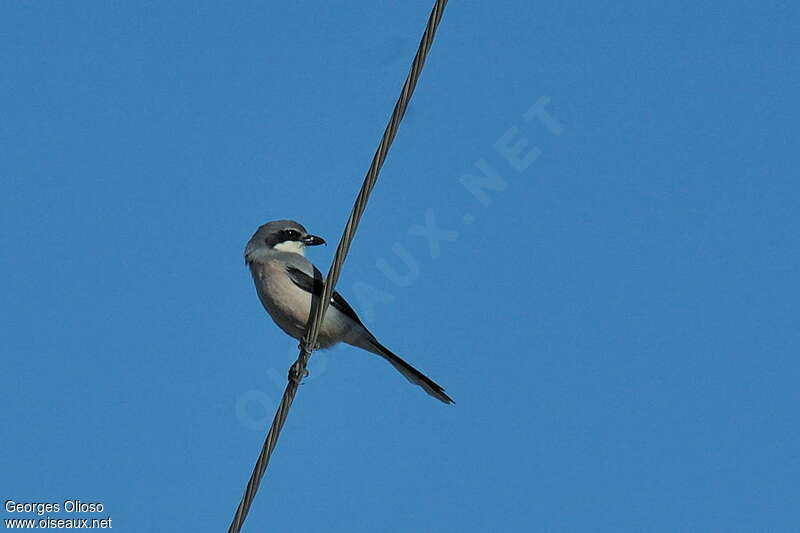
<point>313,240</point>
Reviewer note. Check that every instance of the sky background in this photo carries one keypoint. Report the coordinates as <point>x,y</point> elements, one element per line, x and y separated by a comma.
<point>616,318</point>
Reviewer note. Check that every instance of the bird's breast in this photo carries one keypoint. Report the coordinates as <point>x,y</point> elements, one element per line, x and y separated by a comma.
<point>289,305</point>
<point>286,303</point>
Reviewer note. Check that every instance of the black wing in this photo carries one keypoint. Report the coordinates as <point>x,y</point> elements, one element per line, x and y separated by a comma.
<point>314,286</point>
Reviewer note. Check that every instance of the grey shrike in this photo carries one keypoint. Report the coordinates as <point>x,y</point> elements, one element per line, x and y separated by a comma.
<point>285,279</point>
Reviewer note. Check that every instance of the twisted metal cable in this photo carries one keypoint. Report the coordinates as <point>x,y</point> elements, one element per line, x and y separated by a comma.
<point>320,305</point>
<point>372,174</point>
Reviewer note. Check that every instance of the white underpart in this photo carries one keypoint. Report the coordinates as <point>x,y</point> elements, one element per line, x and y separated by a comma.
<point>294,247</point>
<point>289,305</point>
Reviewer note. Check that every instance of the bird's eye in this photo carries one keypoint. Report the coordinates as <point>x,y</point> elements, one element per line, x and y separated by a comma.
<point>292,234</point>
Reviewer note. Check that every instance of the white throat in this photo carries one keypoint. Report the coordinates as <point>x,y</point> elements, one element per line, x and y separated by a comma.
<point>294,247</point>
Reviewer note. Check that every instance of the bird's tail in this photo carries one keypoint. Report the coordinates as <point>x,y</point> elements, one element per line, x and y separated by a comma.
<point>413,375</point>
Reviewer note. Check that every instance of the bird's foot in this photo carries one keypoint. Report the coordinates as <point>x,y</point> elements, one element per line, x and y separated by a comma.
<point>295,374</point>
<point>307,348</point>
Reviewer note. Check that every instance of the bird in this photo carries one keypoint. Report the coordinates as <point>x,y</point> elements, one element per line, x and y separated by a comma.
<point>285,281</point>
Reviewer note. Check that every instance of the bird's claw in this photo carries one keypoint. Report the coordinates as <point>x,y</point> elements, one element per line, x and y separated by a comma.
<point>302,345</point>
<point>295,374</point>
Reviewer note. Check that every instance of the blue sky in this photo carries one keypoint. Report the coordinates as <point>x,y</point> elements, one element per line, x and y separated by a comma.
<point>616,318</point>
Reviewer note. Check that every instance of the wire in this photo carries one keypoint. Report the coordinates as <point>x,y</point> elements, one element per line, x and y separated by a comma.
<point>320,305</point>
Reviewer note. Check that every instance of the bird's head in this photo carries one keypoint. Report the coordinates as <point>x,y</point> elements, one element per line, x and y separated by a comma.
<point>282,236</point>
